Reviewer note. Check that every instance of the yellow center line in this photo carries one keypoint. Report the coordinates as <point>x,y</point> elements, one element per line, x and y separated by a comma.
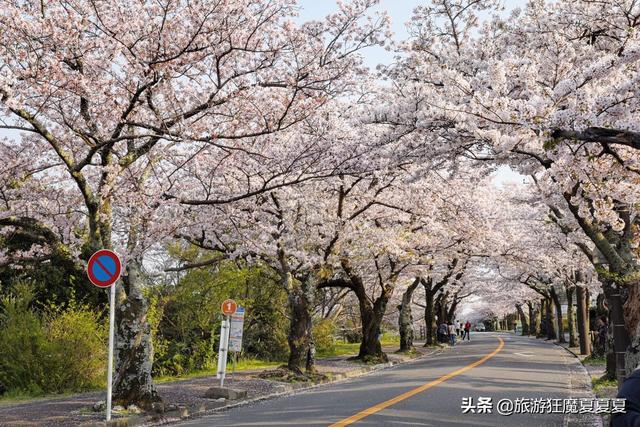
<point>380,406</point>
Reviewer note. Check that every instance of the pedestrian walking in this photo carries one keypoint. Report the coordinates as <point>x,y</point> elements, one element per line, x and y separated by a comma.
<point>602,328</point>
<point>443,333</point>
<point>452,334</point>
<point>467,331</point>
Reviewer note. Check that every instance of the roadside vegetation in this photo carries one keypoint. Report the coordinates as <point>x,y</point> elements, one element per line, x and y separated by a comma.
<point>599,384</point>
<point>49,348</point>
<point>36,337</point>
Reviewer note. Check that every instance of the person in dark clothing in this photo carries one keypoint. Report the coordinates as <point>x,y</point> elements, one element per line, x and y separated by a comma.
<point>602,326</point>
<point>443,333</point>
<point>630,391</point>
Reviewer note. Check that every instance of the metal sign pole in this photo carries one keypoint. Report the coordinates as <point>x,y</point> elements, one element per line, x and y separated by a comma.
<point>112,316</point>
<point>235,358</point>
<point>104,268</point>
<point>222,352</point>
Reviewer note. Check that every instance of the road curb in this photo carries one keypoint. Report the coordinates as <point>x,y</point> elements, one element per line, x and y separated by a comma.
<point>577,356</point>
<point>579,387</point>
<point>285,389</point>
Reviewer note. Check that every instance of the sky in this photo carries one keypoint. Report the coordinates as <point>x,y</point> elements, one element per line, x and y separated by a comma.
<point>399,10</point>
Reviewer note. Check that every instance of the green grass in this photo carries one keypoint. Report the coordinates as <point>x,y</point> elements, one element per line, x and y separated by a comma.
<point>600,383</point>
<point>590,360</point>
<point>13,396</point>
<point>342,348</point>
<point>241,365</point>
<point>247,364</point>
<point>390,339</point>
<point>16,396</point>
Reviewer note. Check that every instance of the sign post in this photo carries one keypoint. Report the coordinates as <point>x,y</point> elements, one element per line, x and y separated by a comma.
<point>235,335</point>
<point>228,308</point>
<point>222,350</point>
<point>104,269</point>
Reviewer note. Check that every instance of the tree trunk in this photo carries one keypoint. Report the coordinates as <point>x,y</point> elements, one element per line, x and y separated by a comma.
<point>534,319</point>
<point>405,319</point>
<point>620,334</point>
<point>300,337</point>
<point>550,319</point>
<point>451,313</point>
<point>543,318</point>
<point>523,319</point>
<point>371,315</point>
<point>623,296</point>
<point>429,314</point>
<point>133,350</point>
<point>570,323</point>
<point>631,310</point>
<point>583,321</point>
<point>558,309</point>
<point>444,308</point>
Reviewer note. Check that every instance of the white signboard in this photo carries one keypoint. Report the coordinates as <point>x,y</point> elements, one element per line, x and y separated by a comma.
<point>235,330</point>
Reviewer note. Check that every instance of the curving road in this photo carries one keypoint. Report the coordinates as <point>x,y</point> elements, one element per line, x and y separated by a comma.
<point>429,391</point>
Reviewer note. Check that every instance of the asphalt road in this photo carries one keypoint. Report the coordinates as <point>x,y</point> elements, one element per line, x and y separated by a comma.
<point>426,392</point>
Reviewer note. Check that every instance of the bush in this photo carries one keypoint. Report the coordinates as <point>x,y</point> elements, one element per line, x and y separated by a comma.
<point>185,319</point>
<point>79,328</point>
<point>323,336</point>
<point>58,349</point>
<point>23,344</point>
<point>266,326</point>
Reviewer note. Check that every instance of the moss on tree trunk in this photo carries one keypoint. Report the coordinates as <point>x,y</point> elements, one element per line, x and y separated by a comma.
<point>405,318</point>
<point>133,383</point>
<point>300,337</point>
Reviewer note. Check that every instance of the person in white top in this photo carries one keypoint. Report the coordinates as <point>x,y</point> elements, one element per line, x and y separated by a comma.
<point>452,333</point>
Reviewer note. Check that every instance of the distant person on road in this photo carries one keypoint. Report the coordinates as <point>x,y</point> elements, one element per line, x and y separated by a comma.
<point>452,334</point>
<point>630,391</point>
<point>602,327</point>
<point>443,333</point>
<point>467,331</point>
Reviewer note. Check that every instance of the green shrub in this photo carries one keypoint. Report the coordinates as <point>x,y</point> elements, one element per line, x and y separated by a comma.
<point>323,336</point>
<point>79,328</point>
<point>58,349</point>
<point>185,318</point>
<point>23,343</point>
<point>266,326</point>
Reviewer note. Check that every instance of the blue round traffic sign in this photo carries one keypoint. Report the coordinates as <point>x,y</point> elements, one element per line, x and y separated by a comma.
<point>104,268</point>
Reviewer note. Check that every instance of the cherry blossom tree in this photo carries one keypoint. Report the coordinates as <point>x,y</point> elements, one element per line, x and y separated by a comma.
<point>550,91</point>
<point>108,95</point>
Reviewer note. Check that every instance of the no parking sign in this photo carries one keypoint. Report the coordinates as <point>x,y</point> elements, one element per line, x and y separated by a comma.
<point>104,270</point>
